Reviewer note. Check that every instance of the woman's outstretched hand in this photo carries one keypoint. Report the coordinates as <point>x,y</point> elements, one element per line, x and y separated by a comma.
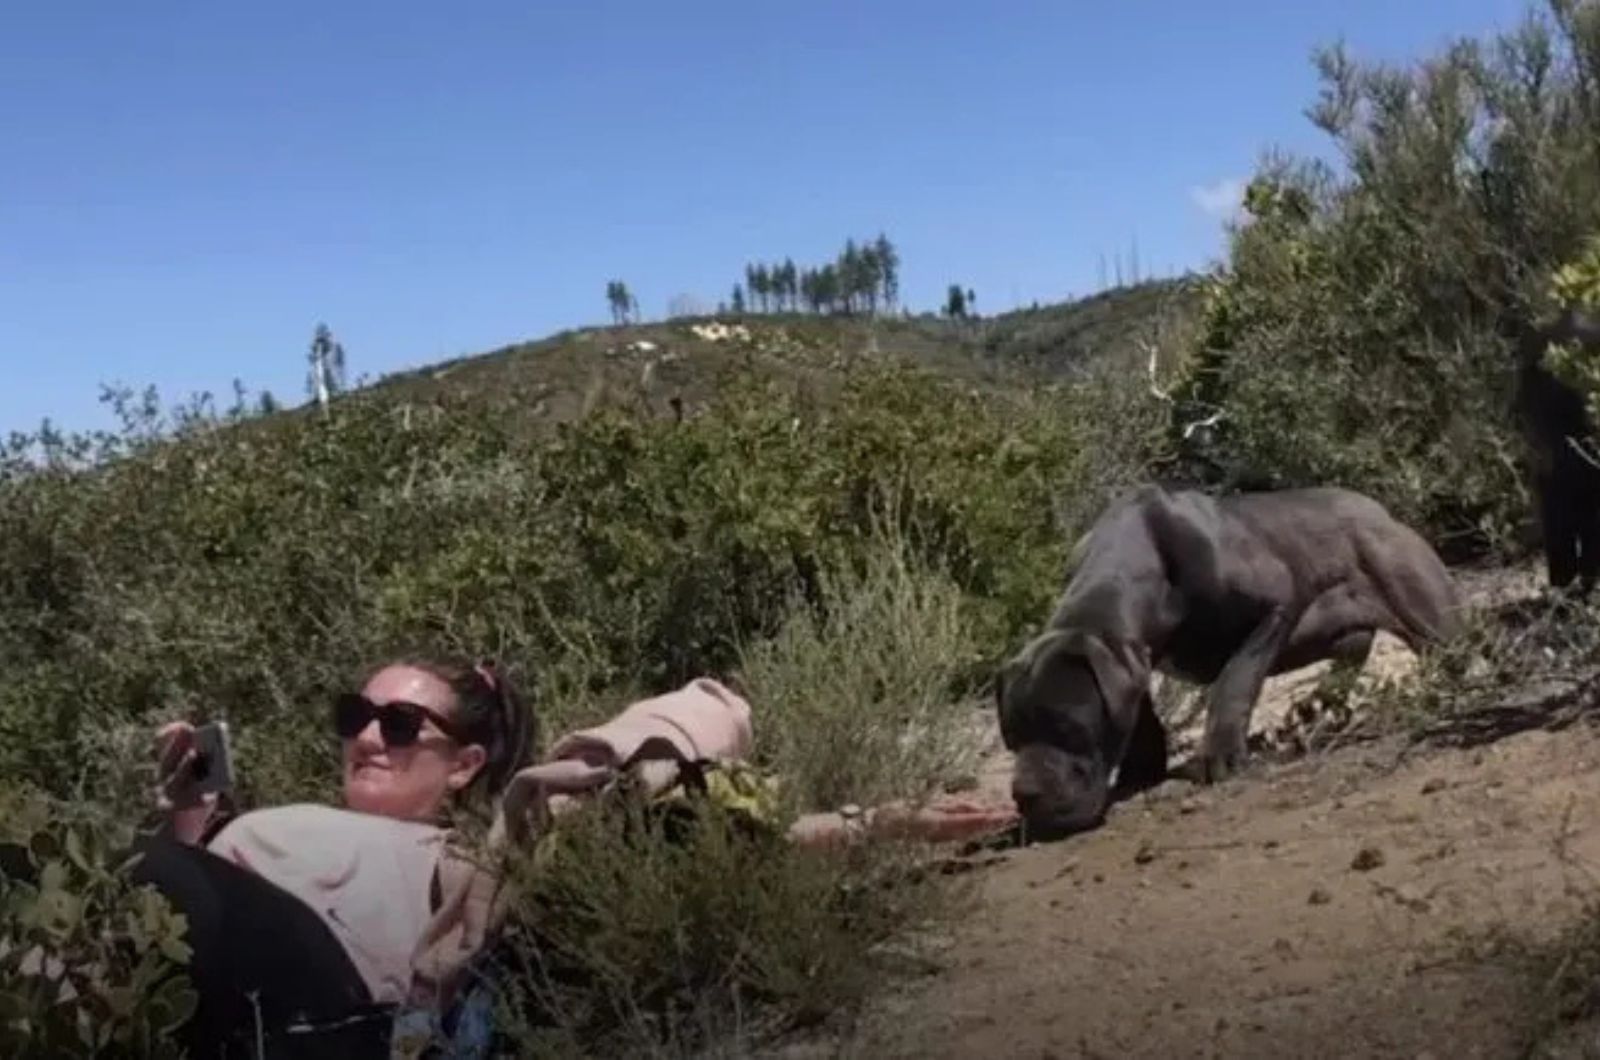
<point>945,819</point>
<point>177,791</point>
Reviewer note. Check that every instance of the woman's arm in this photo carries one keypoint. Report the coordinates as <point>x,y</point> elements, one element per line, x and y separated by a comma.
<point>943,819</point>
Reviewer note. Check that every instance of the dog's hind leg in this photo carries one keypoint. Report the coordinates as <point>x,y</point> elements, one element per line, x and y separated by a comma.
<point>1413,585</point>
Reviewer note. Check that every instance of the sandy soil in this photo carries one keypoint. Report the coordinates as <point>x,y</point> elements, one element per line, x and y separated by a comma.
<point>1325,907</point>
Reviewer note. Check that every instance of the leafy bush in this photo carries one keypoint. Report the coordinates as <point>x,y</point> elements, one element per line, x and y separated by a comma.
<point>1575,286</point>
<point>1358,334</point>
<point>89,963</point>
<point>852,698</point>
<point>251,567</point>
<point>675,945</point>
<point>204,563</point>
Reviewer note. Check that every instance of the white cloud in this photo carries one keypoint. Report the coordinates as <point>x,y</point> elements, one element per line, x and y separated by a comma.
<point>1223,200</point>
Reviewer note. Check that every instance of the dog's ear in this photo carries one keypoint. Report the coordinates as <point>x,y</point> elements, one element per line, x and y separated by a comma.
<point>1005,678</point>
<point>1122,670</point>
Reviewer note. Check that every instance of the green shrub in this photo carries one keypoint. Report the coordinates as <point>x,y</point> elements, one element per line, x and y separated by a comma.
<point>252,567</point>
<point>853,697</point>
<point>89,963</point>
<point>1358,333</point>
<point>676,945</point>
<point>202,564</point>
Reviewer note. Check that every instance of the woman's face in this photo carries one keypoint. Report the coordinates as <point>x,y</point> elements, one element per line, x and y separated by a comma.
<point>413,781</point>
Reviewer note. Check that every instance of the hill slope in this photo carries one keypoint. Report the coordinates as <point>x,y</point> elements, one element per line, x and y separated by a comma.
<point>553,378</point>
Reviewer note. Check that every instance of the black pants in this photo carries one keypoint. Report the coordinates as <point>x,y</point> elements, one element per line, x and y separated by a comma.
<point>263,963</point>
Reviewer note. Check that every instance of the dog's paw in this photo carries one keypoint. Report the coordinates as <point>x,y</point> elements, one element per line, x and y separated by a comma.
<point>1217,766</point>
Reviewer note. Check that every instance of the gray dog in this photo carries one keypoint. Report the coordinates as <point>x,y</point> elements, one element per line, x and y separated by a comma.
<point>1217,591</point>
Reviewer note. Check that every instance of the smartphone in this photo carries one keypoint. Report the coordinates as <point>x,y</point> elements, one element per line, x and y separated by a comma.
<point>213,761</point>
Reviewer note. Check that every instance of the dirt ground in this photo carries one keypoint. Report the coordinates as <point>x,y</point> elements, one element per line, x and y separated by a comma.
<point>1334,906</point>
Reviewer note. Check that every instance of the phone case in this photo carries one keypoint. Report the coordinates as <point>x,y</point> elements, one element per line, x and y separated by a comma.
<point>213,765</point>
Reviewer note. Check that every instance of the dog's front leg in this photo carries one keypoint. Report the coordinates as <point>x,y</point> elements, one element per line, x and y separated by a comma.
<point>1233,696</point>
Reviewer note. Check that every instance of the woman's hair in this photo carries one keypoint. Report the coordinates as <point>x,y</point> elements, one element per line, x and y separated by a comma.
<point>490,712</point>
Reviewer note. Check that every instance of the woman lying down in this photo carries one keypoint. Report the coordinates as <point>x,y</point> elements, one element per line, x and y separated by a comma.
<point>308,918</point>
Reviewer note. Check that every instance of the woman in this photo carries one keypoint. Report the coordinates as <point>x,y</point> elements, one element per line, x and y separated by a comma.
<point>319,913</point>
<point>303,914</point>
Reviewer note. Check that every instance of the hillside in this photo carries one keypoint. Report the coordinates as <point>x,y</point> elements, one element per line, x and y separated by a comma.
<point>690,358</point>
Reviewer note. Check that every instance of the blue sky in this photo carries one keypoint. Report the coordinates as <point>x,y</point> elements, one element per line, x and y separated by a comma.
<point>186,189</point>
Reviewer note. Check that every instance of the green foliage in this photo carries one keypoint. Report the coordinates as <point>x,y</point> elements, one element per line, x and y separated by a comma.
<point>623,305</point>
<point>628,939</point>
<point>955,302</point>
<point>198,564</point>
<point>326,375</point>
<point>862,278</point>
<point>89,963</point>
<point>1357,334</point>
<point>252,568</point>
<point>852,696</point>
<point>1576,286</point>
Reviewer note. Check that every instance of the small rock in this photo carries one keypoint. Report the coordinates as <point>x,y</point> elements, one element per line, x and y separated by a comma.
<point>1408,897</point>
<point>1099,877</point>
<point>1319,896</point>
<point>1270,844</point>
<point>1145,854</point>
<point>1435,785</point>
<point>1367,859</point>
<point>1283,947</point>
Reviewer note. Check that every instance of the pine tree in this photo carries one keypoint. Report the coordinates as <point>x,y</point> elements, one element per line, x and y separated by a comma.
<point>620,300</point>
<point>737,303</point>
<point>761,287</point>
<point>955,303</point>
<point>828,292</point>
<point>888,270</point>
<point>327,373</point>
<point>870,280</point>
<point>791,284</point>
<point>849,274</point>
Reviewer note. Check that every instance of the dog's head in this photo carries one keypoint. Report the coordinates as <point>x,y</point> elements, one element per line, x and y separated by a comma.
<point>1068,703</point>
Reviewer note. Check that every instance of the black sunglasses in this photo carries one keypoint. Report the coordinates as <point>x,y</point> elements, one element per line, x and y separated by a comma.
<point>399,722</point>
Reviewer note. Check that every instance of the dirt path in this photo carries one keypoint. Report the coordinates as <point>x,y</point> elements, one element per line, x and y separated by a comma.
<point>1233,923</point>
<point>1316,909</point>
